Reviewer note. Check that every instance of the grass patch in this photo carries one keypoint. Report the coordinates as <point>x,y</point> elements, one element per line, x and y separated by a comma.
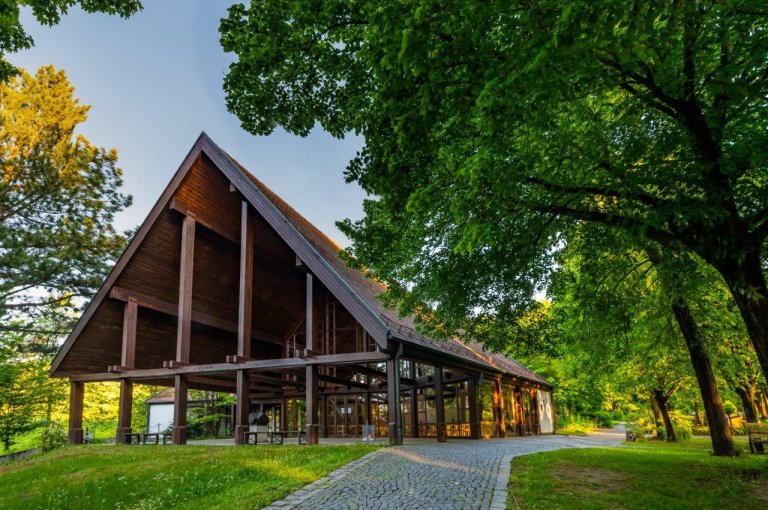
<point>185,477</point>
<point>645,475</point>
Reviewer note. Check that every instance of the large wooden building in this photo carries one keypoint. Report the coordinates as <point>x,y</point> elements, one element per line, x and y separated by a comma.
<point>225,287</point>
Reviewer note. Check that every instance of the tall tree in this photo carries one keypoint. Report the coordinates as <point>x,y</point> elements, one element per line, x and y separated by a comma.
<point>490,127</point>
<point>58,197</point>
<point>48,12</point>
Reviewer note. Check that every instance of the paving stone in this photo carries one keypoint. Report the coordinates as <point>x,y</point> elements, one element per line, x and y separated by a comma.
<point>458,474</point>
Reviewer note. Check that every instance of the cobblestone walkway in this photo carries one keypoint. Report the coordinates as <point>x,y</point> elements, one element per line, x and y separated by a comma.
<point>429,475</point>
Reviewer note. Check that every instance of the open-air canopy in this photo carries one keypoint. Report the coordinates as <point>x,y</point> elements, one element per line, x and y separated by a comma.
<point>225,287</point>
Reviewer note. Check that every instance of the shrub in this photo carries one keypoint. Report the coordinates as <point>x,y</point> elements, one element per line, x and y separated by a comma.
<point>603,419</point>
<point>618,415</point>
<point>700,431</point>
<point>661,432</point>
<point>729,408</point>
<point>683,434</point>
<point>53,437</point>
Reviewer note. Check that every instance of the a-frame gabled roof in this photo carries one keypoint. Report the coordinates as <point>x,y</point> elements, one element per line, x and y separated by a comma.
<point>356,292</point>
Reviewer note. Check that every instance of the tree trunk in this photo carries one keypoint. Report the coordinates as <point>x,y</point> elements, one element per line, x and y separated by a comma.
<point>655,409</point>
<point>662,400</point>
<point>763,404</point>
<point>747,396</point>
<point>747,284</point>
<point>719,430</point>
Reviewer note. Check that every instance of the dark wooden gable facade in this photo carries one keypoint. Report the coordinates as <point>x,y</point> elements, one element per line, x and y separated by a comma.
<point>216,291</point>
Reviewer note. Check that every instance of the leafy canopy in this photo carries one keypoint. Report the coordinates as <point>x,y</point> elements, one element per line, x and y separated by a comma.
<point>491,127</point>
<point>58,197</point>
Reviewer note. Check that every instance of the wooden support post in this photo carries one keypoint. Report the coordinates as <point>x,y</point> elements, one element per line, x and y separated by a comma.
<point>242,406</point>
<point>367,410</point>
<point>440,406</point>
<point>414,404</point>
<point>283,413</point>
<point>311,403</point>
<point>185,289</point>
<point>393,401</point>
<point>308,320</point>
<point>535,412</point>
<point>179,432</point>
<point>520,419</point>
<point>76,394</point>
<point>124,411</point>
<point>324,416</point>
<point>245,315</point>
<point>474,415</point>
<point>502,421</point>
<point>130,319</point>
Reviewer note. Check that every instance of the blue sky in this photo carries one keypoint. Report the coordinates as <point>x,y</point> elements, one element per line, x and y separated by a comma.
<point>154,83</point>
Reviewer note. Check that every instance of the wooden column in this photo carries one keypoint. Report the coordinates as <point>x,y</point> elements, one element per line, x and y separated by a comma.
<point>127,360</point>
<point>393,402</point>
<point>440,406</point>
<point>519,415</point>
<point>535,418</point>
<point>124,412</point>
<point>474,415</point>
<point>367,410</point>
<point>502,423</point>
<point>311,370</point>
<point>324,416</point>
<point>185,289</point>
<point>414,404</point>
<point>179,433</point>
<point>283,413</point>
<point>76,394</point>
<point>242,405</point>
<point>245,315</point>
<point>244,322</point>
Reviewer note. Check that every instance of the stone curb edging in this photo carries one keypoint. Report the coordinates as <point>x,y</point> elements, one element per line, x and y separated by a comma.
<point>300,495</point>
<point>499,501</point>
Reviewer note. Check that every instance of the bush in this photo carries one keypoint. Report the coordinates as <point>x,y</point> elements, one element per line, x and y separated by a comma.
<point>683,434</point>
<point>204,427</point>
<point>661,432</point>
<point>618,415</point>
<point>53,437</point>
<point>700,431</point>
<point>603,419</point>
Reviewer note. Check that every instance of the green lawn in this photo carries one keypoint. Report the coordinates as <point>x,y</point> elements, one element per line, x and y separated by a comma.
<point>154,477</point>
<point>643,475</point>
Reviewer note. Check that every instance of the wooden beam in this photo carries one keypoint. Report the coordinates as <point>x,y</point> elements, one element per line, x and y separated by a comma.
<point>76,397</point>
<point>343,382</point>
<point>313,418</point>
<point>179,431</point>
<point>414,404</point>
<point>152,303</point>
<point>185,289</point>
<point>310,332</point>
<point>266,364</point>
<point>393,402</point>
<point>499,390</point>
<point>245,301</point>
<point>242,406</point>
<point>124,411</point>
<point>130,319</point>
<point>440,406</point>
<point>474,415</point>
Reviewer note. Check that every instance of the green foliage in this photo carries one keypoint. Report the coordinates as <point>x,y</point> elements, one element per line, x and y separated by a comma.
<point>661,432</point>
<point>492,129</point>
<point>618,415</point>
<point>58,196</point>
<point>574,425</point>
<point>53,437</point>
<point>211,477</point>
<point>729,408</point>
<point>13,38</point>
<point>603,419</point>
<point>204,427</point>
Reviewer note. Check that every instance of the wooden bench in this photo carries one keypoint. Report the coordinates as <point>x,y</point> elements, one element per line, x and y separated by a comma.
<point>255,435</point>
<point>278,436</point>
<point>757,434</point>
<point>143,437</point>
